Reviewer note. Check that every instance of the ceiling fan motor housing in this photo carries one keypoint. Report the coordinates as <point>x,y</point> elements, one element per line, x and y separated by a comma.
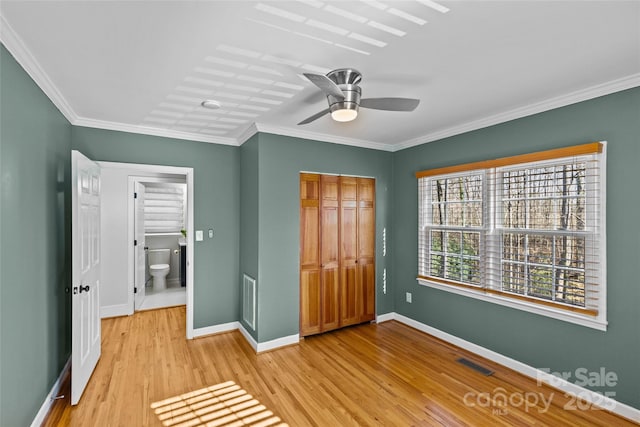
<point>345,76</point>
<point>351,99</point>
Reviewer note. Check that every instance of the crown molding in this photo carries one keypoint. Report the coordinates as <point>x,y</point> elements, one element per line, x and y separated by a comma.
<point>251,130</point>
<point>297,133</point>
<point>146,130</point>
<point>16,46</point>
<point>596,91</point>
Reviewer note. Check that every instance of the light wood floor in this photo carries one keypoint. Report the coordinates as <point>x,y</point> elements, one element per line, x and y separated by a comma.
<point>386,374</point>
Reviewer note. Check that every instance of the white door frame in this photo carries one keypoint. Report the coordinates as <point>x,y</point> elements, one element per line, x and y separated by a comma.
<point>139,171</point>
<point>139,236</point>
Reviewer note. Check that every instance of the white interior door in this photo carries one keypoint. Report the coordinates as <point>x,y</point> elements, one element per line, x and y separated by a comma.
<point>85,322</point>
<point>139,252</point>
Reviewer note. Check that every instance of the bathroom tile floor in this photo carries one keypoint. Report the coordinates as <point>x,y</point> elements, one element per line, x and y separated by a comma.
<point>173,295</point>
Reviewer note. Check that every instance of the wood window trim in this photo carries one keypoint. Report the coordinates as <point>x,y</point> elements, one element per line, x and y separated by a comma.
<point>575,150</point>
<point>539,301</point>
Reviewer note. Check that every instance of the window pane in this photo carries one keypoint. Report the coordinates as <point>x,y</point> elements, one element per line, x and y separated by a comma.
<point>570,180</point>
<point>437,213</point>
<point>542,214</point>
<point>513,246</point>
<point>455,189</point>
<point>570,286</point>
<point>571,213</point>
<point>540,282</point>
<point>513,278</point>
<point>454,214</point>
<point>540,183</point>
<point>453,268</point>
<point>514,184</point>
<point>514,214</point>
<point>437,265</point>
<point>470,271</point>
<point>570,251</point>
<point>438,190</point>
<point>473,214</point>
<point>453,241</point>
<point>540,249</point>
<point>436,240</point>
<point>471,244</point>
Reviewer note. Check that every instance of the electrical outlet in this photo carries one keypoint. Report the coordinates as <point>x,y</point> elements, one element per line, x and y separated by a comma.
<point>211,233</point>
<point>409,297</point>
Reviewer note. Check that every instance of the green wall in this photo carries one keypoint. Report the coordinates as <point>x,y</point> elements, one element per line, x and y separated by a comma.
<point>249,217</point>
<point>539,341</point>
<point>216,205</point>
<point>35,244</point>
<point>281,159</point>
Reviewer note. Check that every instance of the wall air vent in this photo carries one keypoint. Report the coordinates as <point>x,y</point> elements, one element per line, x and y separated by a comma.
<point>249,301</point>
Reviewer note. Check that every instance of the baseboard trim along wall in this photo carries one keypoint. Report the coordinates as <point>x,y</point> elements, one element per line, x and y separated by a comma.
<point>590,396</point>
<point>216,329</point>
<point>258,347</point>
<point>48,401</point>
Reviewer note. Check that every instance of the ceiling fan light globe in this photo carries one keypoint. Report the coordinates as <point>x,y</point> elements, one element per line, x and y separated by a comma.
<point>344,115</point>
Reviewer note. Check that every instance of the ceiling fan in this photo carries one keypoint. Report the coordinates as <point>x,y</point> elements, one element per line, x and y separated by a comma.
<point>343,94</point>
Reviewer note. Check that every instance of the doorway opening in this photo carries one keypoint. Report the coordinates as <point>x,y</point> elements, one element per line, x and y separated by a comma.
<point>126,233</point>
<point>160,242</point>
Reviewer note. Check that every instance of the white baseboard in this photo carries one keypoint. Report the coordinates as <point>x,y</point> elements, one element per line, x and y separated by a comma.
<point>48,401</point>
<point>216,329</point>
<point>247,336</point>
<point>590,396</point>
<point>278,342</point>
<point>385,317</point>
<point>259,347</point>
<point>115,310</point>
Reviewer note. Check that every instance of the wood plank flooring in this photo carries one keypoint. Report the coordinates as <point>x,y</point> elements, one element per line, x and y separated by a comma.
<point>367,375</point>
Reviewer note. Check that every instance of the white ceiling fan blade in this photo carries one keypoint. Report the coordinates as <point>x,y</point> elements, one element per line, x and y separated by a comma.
<point>314,117</point>
<point>390,104</point>
<point>325,84</point>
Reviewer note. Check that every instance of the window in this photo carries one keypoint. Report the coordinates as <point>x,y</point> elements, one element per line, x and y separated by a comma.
<point>164,208</point>
<point>524,231</point>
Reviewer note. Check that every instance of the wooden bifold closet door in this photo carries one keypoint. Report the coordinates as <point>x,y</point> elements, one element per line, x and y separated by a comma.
<point>337,252</point>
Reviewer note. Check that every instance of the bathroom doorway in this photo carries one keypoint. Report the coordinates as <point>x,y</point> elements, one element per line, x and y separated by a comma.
<point>160,244</point>
<point>118,244</point>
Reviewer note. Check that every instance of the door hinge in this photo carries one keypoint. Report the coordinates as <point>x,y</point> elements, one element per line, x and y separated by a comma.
<point>135,195</point>
<point>135,290</point>
<point>135,243</point>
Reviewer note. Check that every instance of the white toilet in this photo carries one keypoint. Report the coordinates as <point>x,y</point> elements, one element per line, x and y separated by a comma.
<point>159,267</point>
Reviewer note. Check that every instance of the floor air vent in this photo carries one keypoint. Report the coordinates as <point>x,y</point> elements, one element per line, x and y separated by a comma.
<point>475,366</point>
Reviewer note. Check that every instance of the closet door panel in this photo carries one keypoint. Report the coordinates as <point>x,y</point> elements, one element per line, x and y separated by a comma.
<point>309,228</point>
<point>366,249</point>
<point>310,266</point>
<point>349,289</point>
<point>329,250</point>
<point>367,275</point>
<point>310,316</point>
<point>349,250</point>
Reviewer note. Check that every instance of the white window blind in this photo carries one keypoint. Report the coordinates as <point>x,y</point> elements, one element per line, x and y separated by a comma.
<point>164,209</point>
<point>527,228</point>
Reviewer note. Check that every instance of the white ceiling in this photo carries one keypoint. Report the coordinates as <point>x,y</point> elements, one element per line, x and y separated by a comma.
<point>145,66</point>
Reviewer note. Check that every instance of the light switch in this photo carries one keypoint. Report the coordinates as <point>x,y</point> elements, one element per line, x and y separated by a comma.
<point>199,236</point>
